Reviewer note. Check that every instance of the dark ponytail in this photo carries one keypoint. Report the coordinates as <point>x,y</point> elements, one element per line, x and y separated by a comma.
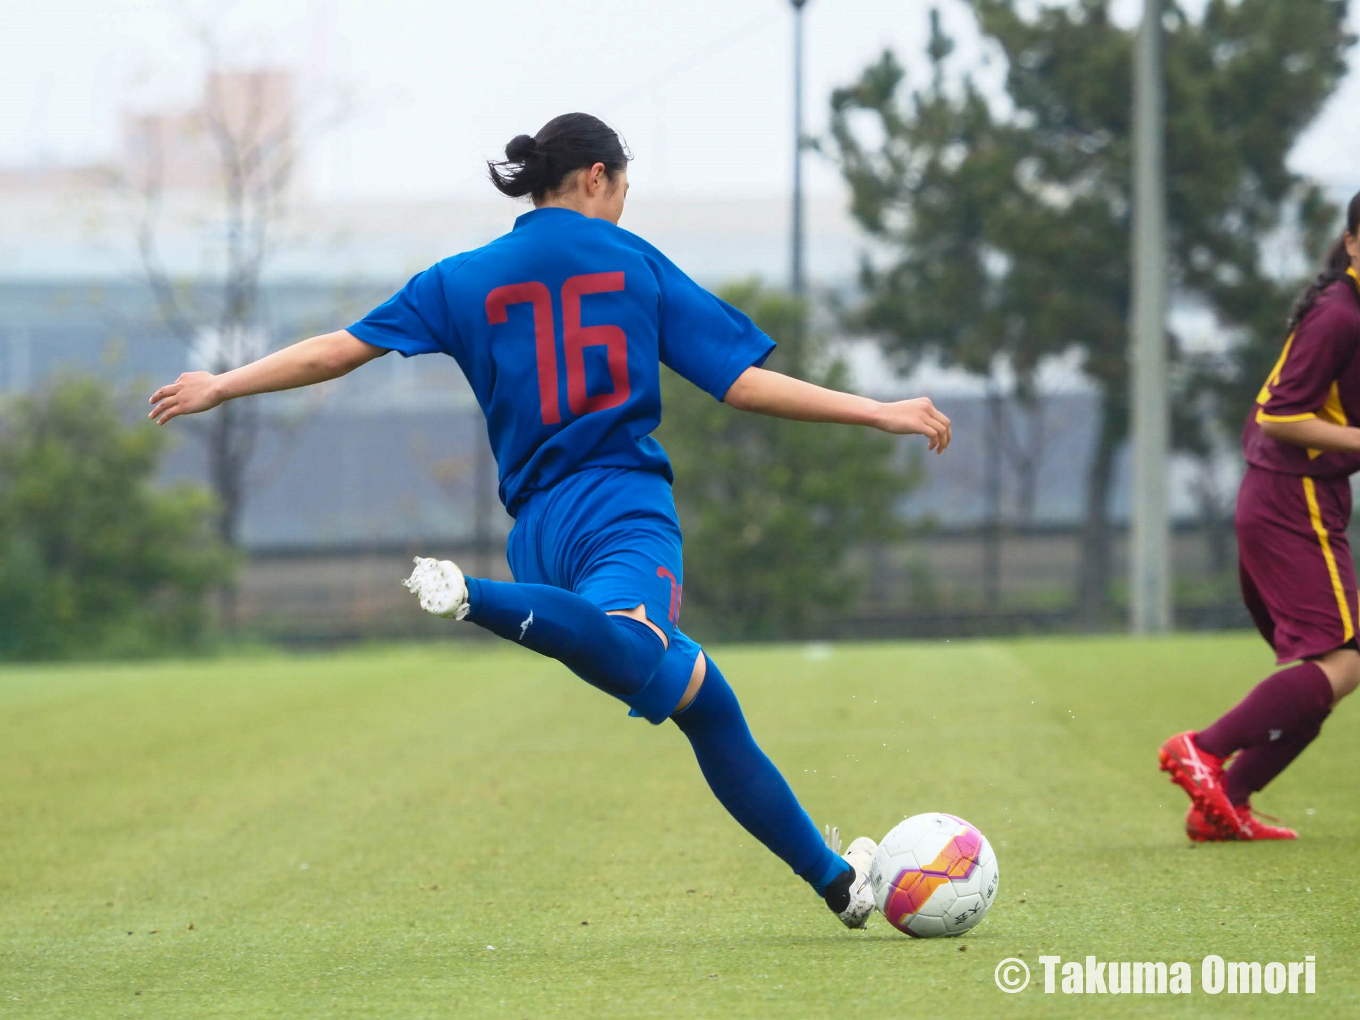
<point>1333,269</point>
<point>537,166</point>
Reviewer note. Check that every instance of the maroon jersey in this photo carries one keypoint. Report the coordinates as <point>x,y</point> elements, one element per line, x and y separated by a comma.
<point>1317,376</point>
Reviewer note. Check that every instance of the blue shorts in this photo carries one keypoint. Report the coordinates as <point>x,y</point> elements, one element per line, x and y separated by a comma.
<point>611,536</point>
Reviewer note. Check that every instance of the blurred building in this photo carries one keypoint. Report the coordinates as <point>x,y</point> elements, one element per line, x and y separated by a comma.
<point>181,149</point>
<point>250,112</point>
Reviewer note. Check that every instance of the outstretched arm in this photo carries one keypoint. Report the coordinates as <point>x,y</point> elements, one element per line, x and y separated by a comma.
<point>315,360</point>
<point>780,396</point>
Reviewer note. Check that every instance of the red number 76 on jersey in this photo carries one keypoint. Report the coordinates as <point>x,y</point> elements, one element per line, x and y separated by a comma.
<point>575,339</point>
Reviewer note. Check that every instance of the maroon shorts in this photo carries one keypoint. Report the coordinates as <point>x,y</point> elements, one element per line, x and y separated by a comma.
<point>1298,579</point>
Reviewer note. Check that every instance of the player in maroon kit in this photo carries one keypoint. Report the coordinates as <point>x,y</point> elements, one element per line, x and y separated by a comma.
<point>1302,444</point>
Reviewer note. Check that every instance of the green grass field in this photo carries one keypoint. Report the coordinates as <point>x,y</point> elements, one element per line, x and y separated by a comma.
<point>467,831</point>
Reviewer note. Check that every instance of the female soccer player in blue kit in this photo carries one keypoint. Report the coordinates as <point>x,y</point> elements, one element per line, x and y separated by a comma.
<point>561,327</point>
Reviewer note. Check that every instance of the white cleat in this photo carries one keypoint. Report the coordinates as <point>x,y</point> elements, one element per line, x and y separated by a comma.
<point>859,856</point>
<point>440,587</point>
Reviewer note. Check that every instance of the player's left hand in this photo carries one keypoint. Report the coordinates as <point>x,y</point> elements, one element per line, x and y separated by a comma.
<point>191,393</point>
<point>917,417</point>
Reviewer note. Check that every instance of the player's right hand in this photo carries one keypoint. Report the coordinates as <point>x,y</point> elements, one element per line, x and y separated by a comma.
<point>917,417</point>
<point>191,393</point>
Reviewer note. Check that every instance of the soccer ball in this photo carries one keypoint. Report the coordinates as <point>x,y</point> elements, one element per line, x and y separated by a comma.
<point>933,875</point>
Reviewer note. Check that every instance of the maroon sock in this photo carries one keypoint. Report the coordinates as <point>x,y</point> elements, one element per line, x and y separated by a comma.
<point>1257,765</point>
<point>1293,701</point>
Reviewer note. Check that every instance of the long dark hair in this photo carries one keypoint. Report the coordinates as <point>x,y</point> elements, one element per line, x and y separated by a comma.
<point>1333,269</point>
<point>537,166</point>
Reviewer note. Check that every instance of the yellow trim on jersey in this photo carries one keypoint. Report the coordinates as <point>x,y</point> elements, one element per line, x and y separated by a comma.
<point>1332,411</point>
<point>1264,396</point>
<point>1315,515</point>
<point>1262,416</point>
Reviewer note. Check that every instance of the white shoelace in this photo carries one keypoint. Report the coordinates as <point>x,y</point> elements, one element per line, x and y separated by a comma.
<point>833,839</point>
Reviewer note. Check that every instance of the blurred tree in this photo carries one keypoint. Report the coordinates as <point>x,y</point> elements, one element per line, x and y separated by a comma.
<point>93,559</point>
<point>234,153</point>
<point>772,509</point>
<point>238,144</point>
<point>1007,234</point>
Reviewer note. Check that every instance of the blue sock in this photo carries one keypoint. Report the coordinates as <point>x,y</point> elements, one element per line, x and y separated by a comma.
<point>615,653</point>
<point>746,782</point>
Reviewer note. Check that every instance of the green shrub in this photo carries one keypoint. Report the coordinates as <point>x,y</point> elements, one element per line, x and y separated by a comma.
<point>95,559</point>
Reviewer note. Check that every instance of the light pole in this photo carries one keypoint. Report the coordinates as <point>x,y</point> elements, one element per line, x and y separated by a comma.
<point>1150,539</point>
<point>797,283</point>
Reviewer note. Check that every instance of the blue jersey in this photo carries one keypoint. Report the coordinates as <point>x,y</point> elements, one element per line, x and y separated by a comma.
<point>561,327</point>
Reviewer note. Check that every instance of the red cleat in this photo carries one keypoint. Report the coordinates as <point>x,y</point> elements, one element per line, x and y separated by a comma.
<point>1200,774</point>
<point>1252,826</point>
<point>1201,831</point>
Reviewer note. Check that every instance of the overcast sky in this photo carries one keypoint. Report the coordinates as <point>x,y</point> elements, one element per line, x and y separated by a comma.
<point>700,88</point>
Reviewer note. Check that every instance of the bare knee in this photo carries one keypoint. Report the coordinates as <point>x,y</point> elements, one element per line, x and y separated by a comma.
<point>1342,668</point>
<point>696,680</point>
